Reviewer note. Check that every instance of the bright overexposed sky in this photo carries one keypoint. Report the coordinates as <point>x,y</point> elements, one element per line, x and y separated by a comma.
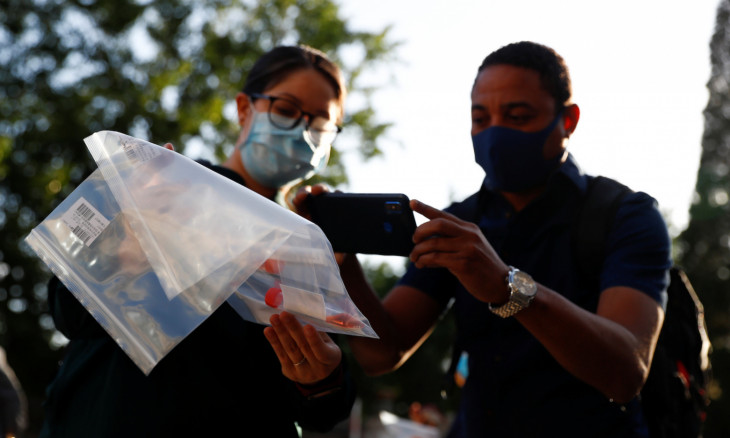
<point>639,71</point>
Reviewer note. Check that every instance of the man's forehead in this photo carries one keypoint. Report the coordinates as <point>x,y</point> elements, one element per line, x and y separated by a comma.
<point>505,105</point>
<point>509,85</point>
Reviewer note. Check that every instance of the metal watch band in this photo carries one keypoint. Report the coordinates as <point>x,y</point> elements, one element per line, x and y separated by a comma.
<point>506,310</point>
<point>517,299</point>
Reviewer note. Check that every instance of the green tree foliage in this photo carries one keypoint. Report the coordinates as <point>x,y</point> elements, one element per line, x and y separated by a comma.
<point>164,70</point>
<point>704,247</point>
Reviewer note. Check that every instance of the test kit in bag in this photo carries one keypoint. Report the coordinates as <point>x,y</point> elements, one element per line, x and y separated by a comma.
<point>189,220</point>
<point>88,244</point>
<point>287,281</point>
<point>153,242</point>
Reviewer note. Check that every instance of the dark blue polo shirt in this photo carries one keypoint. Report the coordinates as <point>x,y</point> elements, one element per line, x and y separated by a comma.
<point>515,388</point>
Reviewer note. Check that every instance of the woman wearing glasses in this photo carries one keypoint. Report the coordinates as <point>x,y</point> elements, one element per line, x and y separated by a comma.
<point>289,115</point>
<point>224,379</point>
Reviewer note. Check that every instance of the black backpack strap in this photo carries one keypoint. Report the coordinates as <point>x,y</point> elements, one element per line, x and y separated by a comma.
<point>593,223</point>
<point>673,399</point>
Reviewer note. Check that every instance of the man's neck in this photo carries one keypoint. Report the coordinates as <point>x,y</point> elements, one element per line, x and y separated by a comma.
<point>522,199</point>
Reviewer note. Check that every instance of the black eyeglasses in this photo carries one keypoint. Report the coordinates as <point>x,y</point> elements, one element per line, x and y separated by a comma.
<point>285,114</point>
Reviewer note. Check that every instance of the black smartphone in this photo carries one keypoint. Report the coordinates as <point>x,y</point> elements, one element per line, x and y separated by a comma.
<point>365,223</point>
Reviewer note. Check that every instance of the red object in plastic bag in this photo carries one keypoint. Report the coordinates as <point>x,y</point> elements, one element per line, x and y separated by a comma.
<point>273,297</point>
<point>271,266</point>
<point>344,320</point>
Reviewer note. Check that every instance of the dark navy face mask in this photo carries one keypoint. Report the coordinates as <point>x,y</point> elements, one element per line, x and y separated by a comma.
<point>513,159</point>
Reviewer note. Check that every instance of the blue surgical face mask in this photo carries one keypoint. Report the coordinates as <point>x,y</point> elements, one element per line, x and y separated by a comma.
<point>513,159</point>
<point>276,157</point>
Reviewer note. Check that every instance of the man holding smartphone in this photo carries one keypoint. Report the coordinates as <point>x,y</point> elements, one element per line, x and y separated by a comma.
<point>548,354</point>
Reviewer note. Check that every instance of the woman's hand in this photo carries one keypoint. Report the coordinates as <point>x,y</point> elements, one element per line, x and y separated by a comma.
<point>306,355</point>
<point>300,206</point>
<point>300,199</point>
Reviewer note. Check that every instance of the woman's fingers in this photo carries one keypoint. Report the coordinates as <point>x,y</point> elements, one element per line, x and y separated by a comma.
<point>306,355</point>
<point>300,199</point>
<point>291,336</point>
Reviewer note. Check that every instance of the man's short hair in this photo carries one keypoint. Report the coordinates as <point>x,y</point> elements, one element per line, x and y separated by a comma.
<point>545,61</point>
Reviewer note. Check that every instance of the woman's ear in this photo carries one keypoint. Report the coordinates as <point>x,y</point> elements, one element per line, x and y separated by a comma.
<point>243,105</point>
<point>571,115</point>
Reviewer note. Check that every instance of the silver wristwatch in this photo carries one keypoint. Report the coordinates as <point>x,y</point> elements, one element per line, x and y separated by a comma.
<point>522,290</point>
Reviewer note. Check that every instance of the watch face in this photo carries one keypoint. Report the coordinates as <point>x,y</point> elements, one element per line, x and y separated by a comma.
<point>525,284</point>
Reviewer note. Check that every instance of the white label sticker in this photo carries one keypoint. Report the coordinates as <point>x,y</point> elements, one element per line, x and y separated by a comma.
<point>304,302</point>
<point>85,221</point>
<point>138,152</point>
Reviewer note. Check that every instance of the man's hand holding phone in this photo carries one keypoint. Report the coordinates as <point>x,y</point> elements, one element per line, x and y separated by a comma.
<point>446,241</point>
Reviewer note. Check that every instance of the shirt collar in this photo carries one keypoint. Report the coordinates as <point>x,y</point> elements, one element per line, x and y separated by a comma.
<point>571,172</point>
<point>568,173</point>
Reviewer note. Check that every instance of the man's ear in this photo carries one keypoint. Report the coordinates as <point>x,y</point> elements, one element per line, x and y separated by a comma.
<point>243,105</point>
<point>571,115</point>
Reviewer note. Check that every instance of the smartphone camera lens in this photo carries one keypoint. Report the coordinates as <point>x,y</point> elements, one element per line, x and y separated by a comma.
<point>392,207</point>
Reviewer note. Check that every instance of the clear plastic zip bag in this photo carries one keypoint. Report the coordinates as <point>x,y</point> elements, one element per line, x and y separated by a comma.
<point>287,281</point>
<point>152,243</point>
<point>189,220</point>
<point>177,206</point>
<point>88,244</point>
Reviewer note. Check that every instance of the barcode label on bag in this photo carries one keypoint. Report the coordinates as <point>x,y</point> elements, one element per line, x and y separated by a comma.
<point>85,221</point>
<point>139,152</point>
